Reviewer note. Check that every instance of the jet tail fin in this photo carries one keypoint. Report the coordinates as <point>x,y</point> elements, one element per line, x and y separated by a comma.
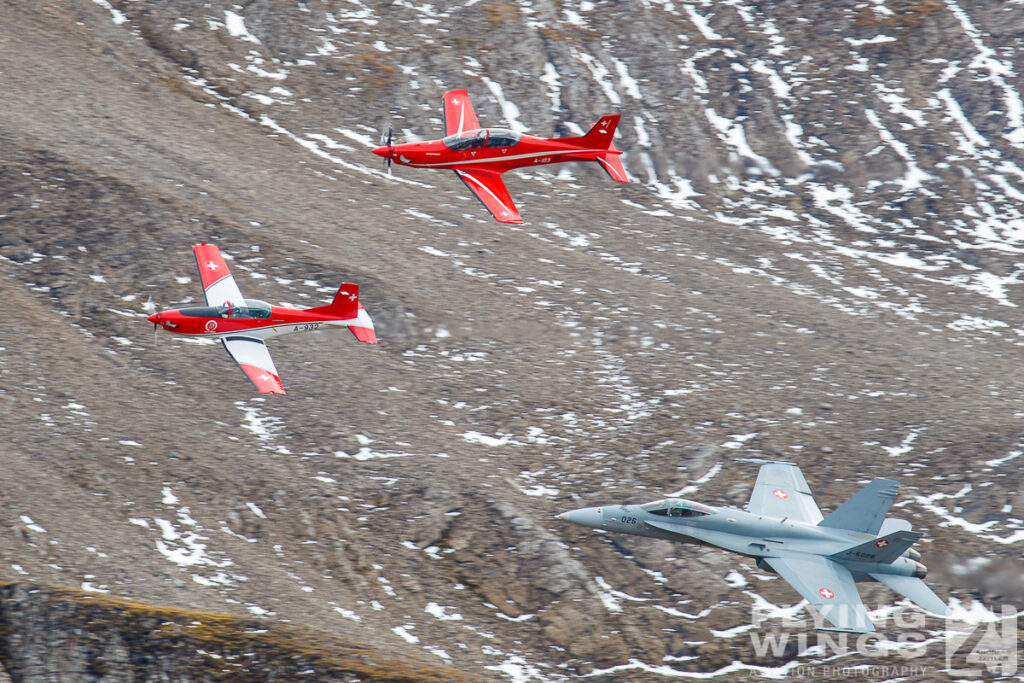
<point>601,133</point>
<point>884,550</point>
<point>915,590</point>
<point>865,511</point>
<point>345,304</point>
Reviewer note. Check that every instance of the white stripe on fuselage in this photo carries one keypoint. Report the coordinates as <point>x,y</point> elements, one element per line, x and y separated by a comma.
<point>466,162</point>
<point>272,331</point>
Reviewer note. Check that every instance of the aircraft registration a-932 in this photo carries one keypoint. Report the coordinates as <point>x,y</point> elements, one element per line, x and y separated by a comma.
<point>786,534</point>
<point>242,325</point>
<point>480,155</point>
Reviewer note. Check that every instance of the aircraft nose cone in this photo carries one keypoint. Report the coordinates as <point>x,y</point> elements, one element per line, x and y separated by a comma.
<point>155,318</point>
<point>382,151</point>
<point>591,517</point>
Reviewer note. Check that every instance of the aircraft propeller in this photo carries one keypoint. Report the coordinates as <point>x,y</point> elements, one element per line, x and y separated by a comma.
<point>385,141</point>
<point>150,307</point>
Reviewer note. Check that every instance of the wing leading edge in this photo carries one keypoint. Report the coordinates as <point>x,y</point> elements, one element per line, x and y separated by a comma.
<point>490,189</point>
<point>828,586</point>
<point>254,359</point>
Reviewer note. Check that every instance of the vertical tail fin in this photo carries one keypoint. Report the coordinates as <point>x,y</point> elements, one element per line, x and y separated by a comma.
<point>865,511</point>
<point>345,304</point>
<point>601,133</point>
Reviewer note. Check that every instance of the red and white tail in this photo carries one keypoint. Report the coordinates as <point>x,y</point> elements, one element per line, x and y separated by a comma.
<point>347,307</point>
<point>345,304</point>
<point>600,137</point>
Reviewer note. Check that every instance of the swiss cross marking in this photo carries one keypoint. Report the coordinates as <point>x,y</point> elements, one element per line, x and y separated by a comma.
<point>212,266</point>
<point>779,493</point>
<point>826,593</point>
<point>881,543</point>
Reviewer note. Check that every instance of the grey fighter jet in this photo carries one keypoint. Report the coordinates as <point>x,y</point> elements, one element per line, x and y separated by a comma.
<point>783,530</point>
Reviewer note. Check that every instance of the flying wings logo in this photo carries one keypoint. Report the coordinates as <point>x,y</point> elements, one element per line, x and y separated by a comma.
<point>826,593</point>
<point>211,325</point>
<point>779,493</point>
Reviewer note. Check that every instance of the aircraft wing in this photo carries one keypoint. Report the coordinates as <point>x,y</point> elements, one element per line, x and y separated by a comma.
<point>490,189</point>
<point>458,112</point>
<point>828,586</point>
<point>254,359</point>
<point>782,491</point>
<point>218,284</point>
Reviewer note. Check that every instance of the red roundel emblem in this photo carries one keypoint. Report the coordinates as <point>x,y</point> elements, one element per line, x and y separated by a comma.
<point>779,493</point>
<point>881,543</point>
<point>211,325</point>
<point>826,593</point>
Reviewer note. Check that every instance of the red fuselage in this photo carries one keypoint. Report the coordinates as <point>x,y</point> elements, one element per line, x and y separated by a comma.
<point>489,149</point>
<point>259,321</point>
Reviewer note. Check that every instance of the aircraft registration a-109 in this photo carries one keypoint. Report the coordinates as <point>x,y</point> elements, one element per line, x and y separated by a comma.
<point>480,155</point>
<point>242,324</point>
<point>786,534</point>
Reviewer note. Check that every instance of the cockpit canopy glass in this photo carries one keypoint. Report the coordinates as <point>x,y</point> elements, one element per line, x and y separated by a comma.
<point>483,137</point>
<point>502,137</point>
<point>677,507</point>
<point>253,308</point>
<point>250,308</point>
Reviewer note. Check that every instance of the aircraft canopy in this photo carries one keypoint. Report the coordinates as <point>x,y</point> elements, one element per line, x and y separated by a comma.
<point>253,308</point>
<point>480,138</point>
<point>677,507</point>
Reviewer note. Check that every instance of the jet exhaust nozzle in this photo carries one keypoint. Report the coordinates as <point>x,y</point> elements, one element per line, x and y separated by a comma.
<point>920,571</point>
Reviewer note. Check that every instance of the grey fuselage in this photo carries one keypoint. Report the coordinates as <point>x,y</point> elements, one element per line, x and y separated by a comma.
<point>742,532</point>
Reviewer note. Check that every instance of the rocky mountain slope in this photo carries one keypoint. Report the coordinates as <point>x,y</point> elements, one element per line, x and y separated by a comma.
<point>818,260</point>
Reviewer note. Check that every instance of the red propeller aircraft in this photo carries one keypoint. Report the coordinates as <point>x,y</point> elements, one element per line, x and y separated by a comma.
<point>480,155</point>
<point>243,324</point>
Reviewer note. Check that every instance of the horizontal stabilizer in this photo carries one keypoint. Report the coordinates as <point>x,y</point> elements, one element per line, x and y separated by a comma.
<point>892,524</point>
<point>612,163</point>
<point>915,590</point>
<point>884,550</point>
<point>865,510</point>
<point>365,334</point>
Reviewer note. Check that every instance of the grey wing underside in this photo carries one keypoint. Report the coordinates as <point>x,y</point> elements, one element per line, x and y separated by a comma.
<point>827,585</point>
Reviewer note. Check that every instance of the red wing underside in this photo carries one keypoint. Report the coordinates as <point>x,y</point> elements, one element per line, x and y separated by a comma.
<point>490,189</point>
<point>458,112</point>
<point>254,359</point>
<point>218,284</point>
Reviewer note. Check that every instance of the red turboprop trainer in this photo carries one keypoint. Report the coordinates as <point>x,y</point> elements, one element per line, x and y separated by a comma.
<point>480,155</point>
<point>243,324</point>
